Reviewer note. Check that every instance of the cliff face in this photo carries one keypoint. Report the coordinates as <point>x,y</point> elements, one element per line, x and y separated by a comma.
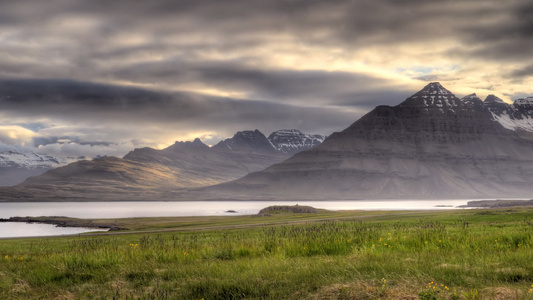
<point>292,141</point>
<point>432,145</point>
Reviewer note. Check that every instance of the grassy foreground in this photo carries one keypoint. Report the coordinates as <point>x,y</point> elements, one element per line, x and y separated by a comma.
<point>467,254</point>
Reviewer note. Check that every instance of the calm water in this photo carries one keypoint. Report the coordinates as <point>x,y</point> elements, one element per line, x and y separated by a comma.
<point>198,208</point>
<point>184,208</point>
<point>16,229</point>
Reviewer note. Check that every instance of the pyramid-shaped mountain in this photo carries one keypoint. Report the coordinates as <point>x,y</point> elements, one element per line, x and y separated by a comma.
<point>432,145</point>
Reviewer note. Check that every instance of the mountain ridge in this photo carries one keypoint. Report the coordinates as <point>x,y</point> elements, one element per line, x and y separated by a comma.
<point>151,173</point>
<point>424,147</point>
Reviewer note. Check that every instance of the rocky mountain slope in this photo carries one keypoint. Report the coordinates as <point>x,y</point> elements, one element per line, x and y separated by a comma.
<point>432,145</point>
<point>152,174</point>
<point>516,116</point>
<point>247,142</point>
<point>292,141</point>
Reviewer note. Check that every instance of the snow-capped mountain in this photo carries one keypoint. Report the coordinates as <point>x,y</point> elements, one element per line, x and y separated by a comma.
<point>18,164</point>
<point>292,141</point>
<point>30,160</point>
<point>285,142</point>
<point>433,95</point>
<point>516,116</point>
<point>247,141</point>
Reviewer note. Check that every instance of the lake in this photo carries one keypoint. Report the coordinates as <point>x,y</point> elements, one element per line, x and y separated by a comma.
<point>17,229</point>
<point>106,210</point>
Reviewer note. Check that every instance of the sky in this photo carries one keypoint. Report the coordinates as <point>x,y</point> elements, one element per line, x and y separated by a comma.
<point>104,77</point>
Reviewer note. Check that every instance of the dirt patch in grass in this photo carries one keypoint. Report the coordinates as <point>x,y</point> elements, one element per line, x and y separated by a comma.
<point>502,293</point>
<point>365,290</point>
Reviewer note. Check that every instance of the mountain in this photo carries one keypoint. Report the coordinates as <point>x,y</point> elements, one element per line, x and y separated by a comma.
<point>432,145</point>
<point>516,116</point>
<point>247,142</point>
<point>151,174</point>
<point>16,165</point>
<point>292,141</point>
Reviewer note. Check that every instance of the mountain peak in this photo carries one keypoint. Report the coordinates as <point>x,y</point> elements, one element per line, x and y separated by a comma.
<point>246,141</point>
<point>472,100</point>
<point>493,99</point>
<point>197,141</point>
<point>435,88</point>
<point>286,132</point>
<point>197,144</point>
<point>524,101</point>
<point>473,95</point>
<point>433,95</point>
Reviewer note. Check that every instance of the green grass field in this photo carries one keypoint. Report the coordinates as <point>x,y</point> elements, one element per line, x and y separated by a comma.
<point>460,254</point>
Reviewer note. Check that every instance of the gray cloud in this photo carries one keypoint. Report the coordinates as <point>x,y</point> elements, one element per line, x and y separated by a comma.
<point>105,115</point>
<point>523,72</point>
<point>304,87</point>
<point>98,102</point>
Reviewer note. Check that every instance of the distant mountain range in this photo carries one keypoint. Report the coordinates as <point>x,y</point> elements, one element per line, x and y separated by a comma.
<point>152,174</point>
<point>432,145</point>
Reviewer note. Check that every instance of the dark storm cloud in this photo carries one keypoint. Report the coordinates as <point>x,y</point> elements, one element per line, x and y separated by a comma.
<point>523,72</point>
<point>314,86</point>
<point>106,104</point>
<point>42,141</point>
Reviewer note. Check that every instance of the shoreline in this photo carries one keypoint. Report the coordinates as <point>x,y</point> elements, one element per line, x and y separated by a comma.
<point>63,222</point>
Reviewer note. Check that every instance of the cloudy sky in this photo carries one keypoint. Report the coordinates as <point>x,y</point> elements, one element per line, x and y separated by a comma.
<point>102,77</point>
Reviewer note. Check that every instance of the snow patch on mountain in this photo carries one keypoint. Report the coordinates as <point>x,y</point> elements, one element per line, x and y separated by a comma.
<point>522,101</point>
<point>16,157</point>
<point>516,116</point>
<point>509,122</point>
<point>433,95</point>
<point>19,163</point>
<point>291,141</point>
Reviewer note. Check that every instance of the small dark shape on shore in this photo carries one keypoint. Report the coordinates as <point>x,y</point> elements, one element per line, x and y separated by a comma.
<point>441,205</point>
<point>63,222</point>
<point>231,211</point>
<point>297,209</point>
<point>497,203</point>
